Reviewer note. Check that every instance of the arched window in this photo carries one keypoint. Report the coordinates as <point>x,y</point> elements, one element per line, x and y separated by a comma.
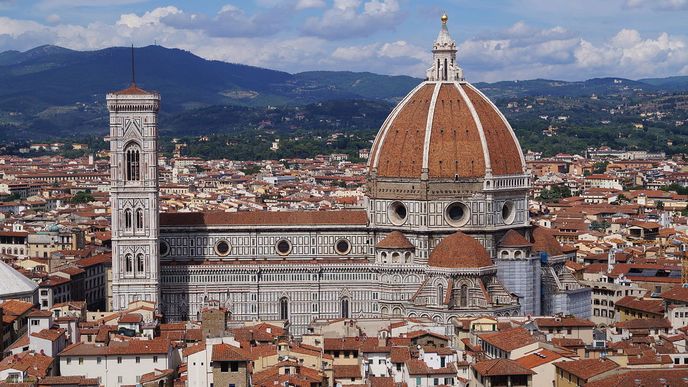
<point>445,70</point>
<point>139,219</point>
<point>440,294</point>
<point>129,263</point>
<point>127,219</point>
<point>133,163</point>
<point>139,263</point>
<point>464,295</point>
<point>345,307</point>
<point>284,308</point>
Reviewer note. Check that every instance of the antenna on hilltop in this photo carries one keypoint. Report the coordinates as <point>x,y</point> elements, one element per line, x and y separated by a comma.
<point>133,68</point>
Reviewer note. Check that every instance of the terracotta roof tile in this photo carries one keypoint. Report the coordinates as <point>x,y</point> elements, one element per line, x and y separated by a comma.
<point>544,241</point>
<point>459,251</point>
<point>513,238</point>
<point>347,372</point>
<point>501,367</point>
<point>226,352</point>
<point>652,306</point>
<point>510,339</point>
<point>643,377</point>
<point>587,368</point>
<point>538,358</point>
<point>395,240</point>
<point>545,322</point>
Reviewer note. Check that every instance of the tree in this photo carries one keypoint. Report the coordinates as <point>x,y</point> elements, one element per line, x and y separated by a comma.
<point>555,193</point>
<point>621,198</point>
<point>600,167</point>
<point>82,197</point>
<point>659,205</point>
<point>599,226</point>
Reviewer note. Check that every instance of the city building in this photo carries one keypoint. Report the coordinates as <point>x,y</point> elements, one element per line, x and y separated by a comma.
<point>447,182</point>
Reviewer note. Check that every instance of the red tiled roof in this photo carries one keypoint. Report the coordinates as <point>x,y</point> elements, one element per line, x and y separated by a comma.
<point>509,339</point>
<point>226,352</point>
<point>15,307</point>
<point>501,367</point>
<point>131,318</point>
<point>395,240</point>
<point>651,306</point>
<point>130,347</point>
<point>587,368</point>
<point>513,238</point>
<point>644,323</point>
<point>399,354</point>
<point>459,251</point>
<point>49,334</point>
<point>419,367</point>
<point>132,90</point>
<point>545,322</point>
<point>35,364</point>
<point>677,293</point>
<point>347,372</point>
<point>643,377</point>
<point>538,358</point>
<point>544,240</point>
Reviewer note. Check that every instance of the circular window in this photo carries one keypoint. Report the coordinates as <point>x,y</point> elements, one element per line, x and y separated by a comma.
<point>283,247</point>
<point>457,214</point>
<point>222,248</point>
<point>164,248</point>
<point>508,213</point>
<point>397,213</point>
<point>342,247</point>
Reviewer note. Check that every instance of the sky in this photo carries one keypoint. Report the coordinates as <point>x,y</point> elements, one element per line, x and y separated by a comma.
<point>497,39</point>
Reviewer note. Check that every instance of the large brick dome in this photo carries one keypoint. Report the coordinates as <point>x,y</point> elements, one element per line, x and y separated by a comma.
<point>449,129</point>
<point>445,128</point>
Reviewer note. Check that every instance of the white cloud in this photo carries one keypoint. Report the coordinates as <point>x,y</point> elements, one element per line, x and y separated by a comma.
<point>153,17</point>
<point>661,5</point>
<point>14,28</point>
<point>230,21</point>
<point>522,52</point>
<point>518,52</point>
<point>347,20</point>
<point>398,57</point>
<point>305,4</point>
<point>53,18</point>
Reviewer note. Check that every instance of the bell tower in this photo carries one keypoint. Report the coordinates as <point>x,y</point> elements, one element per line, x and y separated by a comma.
<point>134,195</point>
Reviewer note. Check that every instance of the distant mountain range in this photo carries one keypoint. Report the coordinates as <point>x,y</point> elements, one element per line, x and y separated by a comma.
<point>58,91</point>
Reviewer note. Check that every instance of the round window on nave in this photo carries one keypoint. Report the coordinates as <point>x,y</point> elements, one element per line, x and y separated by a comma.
<point>222,248</point>
<point>283,247</point>
<point>397,213</point>
<point>457,214</point>
<point>342,247</point>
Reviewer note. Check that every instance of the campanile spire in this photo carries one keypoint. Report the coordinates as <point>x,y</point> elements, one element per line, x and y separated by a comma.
<point>444,66</point>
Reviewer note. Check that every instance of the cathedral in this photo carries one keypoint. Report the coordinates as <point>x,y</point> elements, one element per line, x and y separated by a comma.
<point>444,232</point>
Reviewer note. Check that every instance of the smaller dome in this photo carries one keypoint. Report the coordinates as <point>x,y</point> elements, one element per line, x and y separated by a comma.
<point>513,238</point>
<point>395,240</point>
<point>459,251</point>
<point>544,241</point>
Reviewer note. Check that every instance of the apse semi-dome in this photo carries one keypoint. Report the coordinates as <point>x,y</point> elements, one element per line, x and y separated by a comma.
<point>445,128</point>
<point>459,251</point>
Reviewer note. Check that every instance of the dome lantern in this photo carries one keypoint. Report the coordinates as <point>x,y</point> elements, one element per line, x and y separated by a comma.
<point>444,66</point>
